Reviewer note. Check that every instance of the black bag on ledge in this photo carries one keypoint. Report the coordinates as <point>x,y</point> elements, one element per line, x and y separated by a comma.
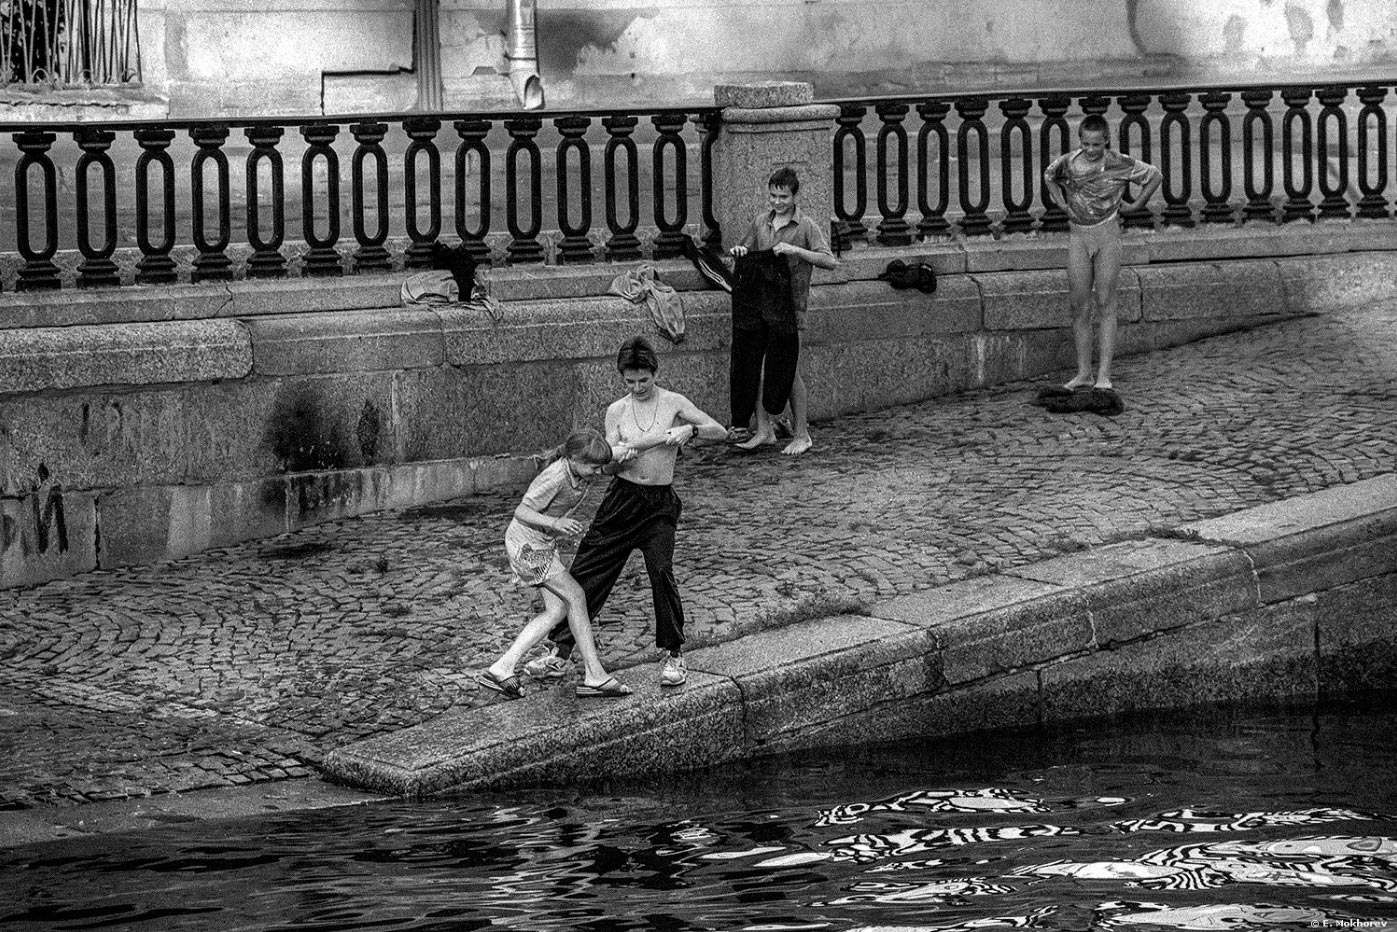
<point>902,276</point>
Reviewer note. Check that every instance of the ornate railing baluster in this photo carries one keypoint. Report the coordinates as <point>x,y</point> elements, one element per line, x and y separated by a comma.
<point>473,133</point>
<point>850,122</point>
<point>322,258</point>
<point>1258,206</point>
<point>622,242</point>
<point>372,254</point>
<point>1177,211</point>
<point>155,266</point>
<point>1298,205</point>
<point>575,245</point>
<point>1094,105</point>
<point>710,123</point>
<point>1373,203</point>
<point>933,221</point>
<point>1054,217</point>
<point>1135,124</point>
<point>971,110</point>
<point>266,260</point>
<point>670,240</point>
<point>1333,199</point>
<point>39,271</point>
<point>423,131</point>
<point>1217,207</point>
<point>893,230</point>
<point>212,262</point>
<point>1017,218</point>
<point>97,268</point>
<point>524,245</point>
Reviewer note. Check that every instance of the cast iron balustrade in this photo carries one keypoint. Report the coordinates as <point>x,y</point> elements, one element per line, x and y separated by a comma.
<point>217,199</point>
<point>1328,144</point>
<point>214,199</point>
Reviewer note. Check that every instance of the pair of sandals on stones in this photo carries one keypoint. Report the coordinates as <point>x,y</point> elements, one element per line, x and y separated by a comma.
<point>511,688</point>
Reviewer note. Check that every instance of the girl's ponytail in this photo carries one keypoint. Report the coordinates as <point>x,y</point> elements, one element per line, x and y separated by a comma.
<point>548,457</point>
<point>586,444</point>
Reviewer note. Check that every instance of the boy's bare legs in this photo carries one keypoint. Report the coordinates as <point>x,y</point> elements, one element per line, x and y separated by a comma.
<point>1107,278</point>
<point>1108,345</point>
<point>766,425</point>
<point>1079,293</point>
<point>799,425</point>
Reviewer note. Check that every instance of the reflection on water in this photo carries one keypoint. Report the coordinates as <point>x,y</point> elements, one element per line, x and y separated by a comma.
<point>1288,820</point>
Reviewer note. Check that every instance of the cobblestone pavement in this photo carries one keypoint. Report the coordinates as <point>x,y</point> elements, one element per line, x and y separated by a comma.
<point>249,663</point>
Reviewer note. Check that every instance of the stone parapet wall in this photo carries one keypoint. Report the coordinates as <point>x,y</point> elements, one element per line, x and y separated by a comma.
<point>142,424</point>
<point>1287,601</point>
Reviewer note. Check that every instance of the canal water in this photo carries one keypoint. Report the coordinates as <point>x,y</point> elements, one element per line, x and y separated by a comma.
<point>1257,818</point>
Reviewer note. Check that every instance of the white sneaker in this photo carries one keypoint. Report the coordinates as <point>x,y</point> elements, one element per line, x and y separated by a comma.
<point>547,667</point>
<point>674,672</point>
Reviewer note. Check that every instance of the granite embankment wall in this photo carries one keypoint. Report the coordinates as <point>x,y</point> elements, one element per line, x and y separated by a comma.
<point>1291,600</point>
<point>141,424</point>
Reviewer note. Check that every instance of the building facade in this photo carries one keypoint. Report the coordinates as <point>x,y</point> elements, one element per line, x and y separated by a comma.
<point>190,58</point>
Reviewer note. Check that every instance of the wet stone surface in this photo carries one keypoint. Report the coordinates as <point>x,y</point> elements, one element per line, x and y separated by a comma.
<point>248,663</point>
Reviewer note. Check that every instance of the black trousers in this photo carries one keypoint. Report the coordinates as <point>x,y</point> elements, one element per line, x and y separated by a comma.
<point>763,334</point>
<point>753,350</point>
<point>631,517</point>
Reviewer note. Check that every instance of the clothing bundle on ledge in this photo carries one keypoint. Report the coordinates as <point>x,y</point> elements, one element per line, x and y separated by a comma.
<point>639,286</point>
<point>454,273</point>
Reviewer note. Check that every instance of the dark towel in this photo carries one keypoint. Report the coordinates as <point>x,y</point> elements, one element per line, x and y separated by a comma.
<point>1060,400</point>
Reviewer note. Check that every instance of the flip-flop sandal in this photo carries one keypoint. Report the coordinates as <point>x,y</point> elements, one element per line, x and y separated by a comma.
<point>509,686</point>
<point>611,689</point>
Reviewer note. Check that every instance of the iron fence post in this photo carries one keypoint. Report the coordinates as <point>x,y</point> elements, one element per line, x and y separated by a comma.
<point>97,268</point>
<point>266,260</point>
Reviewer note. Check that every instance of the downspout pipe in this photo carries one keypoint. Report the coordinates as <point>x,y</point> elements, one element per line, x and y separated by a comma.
<point>522,54</point>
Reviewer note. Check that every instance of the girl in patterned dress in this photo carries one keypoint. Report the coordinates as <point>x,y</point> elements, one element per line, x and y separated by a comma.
<point>544,515</point>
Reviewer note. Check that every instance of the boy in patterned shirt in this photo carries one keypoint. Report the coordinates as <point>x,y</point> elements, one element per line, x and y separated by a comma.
<point>1090,182</point>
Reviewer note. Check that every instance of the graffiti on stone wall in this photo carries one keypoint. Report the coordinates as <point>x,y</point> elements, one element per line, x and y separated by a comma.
<point>39,525</point>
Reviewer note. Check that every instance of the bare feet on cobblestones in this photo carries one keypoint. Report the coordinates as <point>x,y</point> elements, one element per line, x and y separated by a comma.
<point>761,438</point>
<point>798,446</point>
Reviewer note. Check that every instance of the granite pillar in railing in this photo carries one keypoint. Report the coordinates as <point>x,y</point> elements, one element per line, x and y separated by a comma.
<point>765,126</point>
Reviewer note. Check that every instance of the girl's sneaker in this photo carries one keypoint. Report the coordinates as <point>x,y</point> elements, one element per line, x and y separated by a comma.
<point>547,667</point>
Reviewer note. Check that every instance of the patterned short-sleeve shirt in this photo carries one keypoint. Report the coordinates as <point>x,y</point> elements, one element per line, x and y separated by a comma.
<point>555,491</point>
<point>1094,190</point>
